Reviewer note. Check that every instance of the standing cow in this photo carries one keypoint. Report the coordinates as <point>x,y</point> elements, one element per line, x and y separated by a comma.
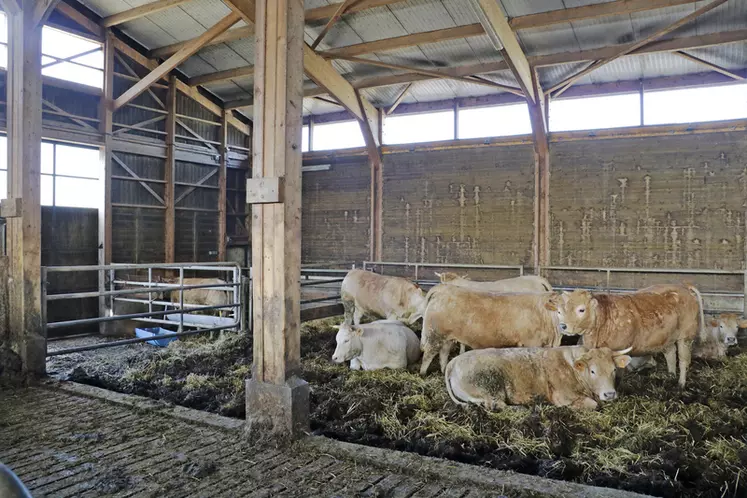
<point>376,345</point>
<point>660,318</point>
<point>393,298</point>
<point>482,320</point>
<point>528,283</point>
<point>568,375</point>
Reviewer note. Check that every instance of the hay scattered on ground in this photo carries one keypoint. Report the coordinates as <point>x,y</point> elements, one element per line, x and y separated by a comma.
<point>655,438</point>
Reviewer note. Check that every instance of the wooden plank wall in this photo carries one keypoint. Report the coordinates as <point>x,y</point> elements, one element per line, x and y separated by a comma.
<point>663,202</point>
<point>459,206</point>
<point>335,216</point>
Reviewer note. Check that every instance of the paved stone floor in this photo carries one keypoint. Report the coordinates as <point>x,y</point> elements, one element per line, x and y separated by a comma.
<point>64,445</point>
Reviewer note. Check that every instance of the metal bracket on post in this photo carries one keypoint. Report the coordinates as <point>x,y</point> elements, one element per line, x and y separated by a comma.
<point>267,190</point>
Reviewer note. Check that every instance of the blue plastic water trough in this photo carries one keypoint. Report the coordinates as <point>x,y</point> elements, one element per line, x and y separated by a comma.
<point>155,332</point>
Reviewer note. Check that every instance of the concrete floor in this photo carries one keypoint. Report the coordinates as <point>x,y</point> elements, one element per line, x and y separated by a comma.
<point>64,445</point>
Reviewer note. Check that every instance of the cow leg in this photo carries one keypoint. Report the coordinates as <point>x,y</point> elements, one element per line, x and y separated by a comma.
<point>684,351</point>
<point>357,315</point>
<point>670,354</point>
<point>443,355</point>
<point>349,307</point>
<point>462,348</point>
<point>355,364</point>
<point>585,404</point>
<point>428,356</point>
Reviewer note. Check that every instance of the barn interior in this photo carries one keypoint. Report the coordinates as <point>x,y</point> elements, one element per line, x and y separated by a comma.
<point>272,145</point>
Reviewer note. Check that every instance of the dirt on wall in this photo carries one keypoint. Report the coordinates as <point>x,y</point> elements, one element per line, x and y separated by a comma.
<point>676,202</point>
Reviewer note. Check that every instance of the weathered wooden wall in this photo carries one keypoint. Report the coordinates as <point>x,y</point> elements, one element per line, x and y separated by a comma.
<point>675,202</point>
<point>459,206</point>
<point>335,216</point>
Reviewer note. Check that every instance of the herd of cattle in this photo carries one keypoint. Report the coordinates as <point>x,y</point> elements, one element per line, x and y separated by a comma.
<point>514,329</point>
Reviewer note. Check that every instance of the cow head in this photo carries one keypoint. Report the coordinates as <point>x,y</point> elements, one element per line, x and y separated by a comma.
<point>724,328</point>
<point>576,311</point>
<point>415,306</point>
<point>349,344</point>
<point>447,276</point>
<point>596,369</point>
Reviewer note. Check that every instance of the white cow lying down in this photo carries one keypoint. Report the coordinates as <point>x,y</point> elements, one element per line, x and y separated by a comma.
<point>376,345</point>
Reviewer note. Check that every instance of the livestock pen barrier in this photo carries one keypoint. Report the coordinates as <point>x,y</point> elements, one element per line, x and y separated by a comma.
<point>145,293</point>
<point>720,295</point>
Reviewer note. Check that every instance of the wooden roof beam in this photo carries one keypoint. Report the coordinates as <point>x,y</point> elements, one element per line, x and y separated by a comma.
<point>332,21</point>
<point>715,67</point>
<point>505,41</point>
<point>684,43</point>
<point>566,83</point>
<point>435,74</point>
<point>228,74</point>
<point>138,12</point>
<point>618,7</point>
<point>173,61</point>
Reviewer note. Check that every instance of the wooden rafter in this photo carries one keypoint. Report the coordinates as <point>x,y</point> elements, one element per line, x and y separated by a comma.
<point>542,19</point>
<point>138,12</point>
<point>74,14</point>
<point>684,43</point>
<point>399,99</point>
<point>427,72</point>
<point>324,75</point>
<point>42,10</point>
<point>566,83</point>
<point>228,36</point>
<point>229,74</point>
<point>405,41</point>
<point>332,21</point>
<point>176,59</point>
<point>710,65</point>
<point>505,41</point>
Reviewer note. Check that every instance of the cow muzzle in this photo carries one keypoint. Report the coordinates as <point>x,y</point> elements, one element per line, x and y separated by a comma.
<point>730,341</point>
<point>564,329</point>
<point>609,395</point>
<point>336,359</point>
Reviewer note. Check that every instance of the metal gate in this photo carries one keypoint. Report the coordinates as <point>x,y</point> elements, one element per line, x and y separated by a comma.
<point>115,287</point>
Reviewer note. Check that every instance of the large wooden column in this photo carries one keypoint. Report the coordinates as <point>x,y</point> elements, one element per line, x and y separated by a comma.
<point>277,399</point>
<point>222,186</point>
<point>24,143</point>
<point>170,174</point>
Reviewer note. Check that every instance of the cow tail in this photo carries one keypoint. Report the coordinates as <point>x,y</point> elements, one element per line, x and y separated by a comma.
<point>447,374</point>
<point>701,308</point>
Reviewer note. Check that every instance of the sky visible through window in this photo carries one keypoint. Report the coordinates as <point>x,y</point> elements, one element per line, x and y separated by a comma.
<point>64,56</point>
<point>69,174</point>
<point>690,105</point>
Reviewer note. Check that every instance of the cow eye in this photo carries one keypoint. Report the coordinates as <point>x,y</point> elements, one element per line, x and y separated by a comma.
<point>593,372</point>
<point>582,310</point>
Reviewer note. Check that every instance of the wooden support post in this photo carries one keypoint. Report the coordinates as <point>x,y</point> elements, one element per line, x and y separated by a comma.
<point>106,120</point>
<point>170,174</point>
<point>24,125</point>
<point>277,400</point>
<point>538,115</point>
<point>222,186</point>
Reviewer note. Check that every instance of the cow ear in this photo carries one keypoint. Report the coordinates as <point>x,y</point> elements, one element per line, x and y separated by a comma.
<point>580,366</point>
<point>357,330</point>
<point>552,303</point>
<point>594,303</point>
<point>742,324</point>
<point>714,323</point>
<point>622,360</point>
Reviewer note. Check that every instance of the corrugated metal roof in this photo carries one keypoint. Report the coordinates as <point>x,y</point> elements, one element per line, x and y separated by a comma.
<point>414,16</point>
